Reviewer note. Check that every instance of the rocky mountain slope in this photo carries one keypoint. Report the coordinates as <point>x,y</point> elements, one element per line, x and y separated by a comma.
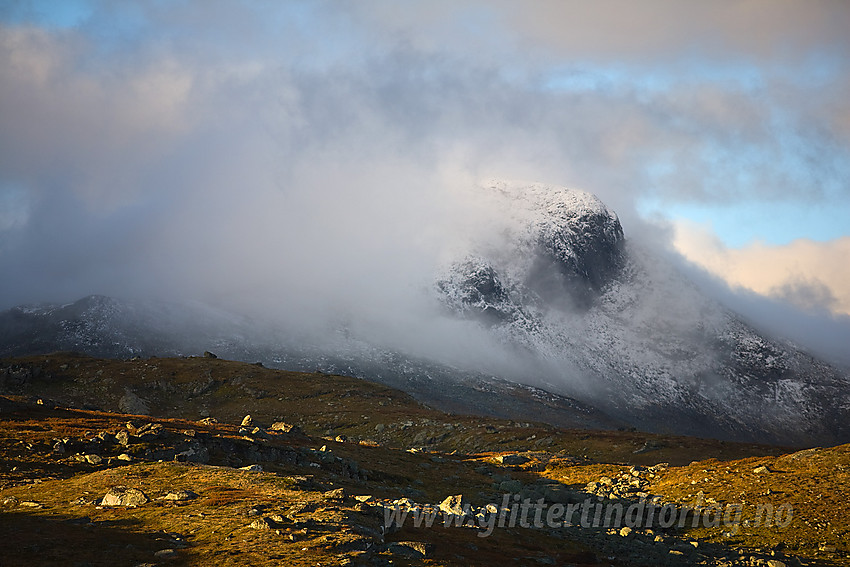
<point>236,464</point>
<point>584,328</point>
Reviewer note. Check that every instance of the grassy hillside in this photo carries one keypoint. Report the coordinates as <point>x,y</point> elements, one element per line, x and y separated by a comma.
<point>70,432</point>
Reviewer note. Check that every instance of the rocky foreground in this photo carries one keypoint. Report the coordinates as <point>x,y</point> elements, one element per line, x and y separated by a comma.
<point>201,461</point>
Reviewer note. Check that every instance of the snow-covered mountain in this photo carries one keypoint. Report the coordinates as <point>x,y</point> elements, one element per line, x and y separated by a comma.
<point>599,331</point>
<point>620,328</point>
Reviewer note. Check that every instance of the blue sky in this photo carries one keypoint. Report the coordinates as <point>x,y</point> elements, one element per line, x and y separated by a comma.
<point>49,13</point>
<point>668,111</point>
<point>743,223</point>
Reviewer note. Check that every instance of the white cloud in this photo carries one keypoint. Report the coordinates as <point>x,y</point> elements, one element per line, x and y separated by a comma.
<point>96,129</point>
<point>603,30</point>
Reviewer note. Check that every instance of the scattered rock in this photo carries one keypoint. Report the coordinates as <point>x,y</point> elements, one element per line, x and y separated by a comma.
<point>123,438</point>
<point>165,554</point>
<point>456,505</point>
<point>285,427</point>
<point>150,431</point>
<point>338,494</point>
<point>512,459</point>
<point>94,459</point>
<point>180,495</point>
<point>123,496</point>
<point>208,354</point>
<point>761,469</point>
<point>252,468</point>
<point>262,524</point>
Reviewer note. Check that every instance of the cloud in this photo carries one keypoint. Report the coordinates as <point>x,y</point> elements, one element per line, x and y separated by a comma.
<point>619,30</point>
<point>810,295</point>
<point>95,132</point>
<point>311,159</point>
<point>811,275</point>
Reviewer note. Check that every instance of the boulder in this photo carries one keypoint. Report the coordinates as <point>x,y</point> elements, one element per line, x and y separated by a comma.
<point>123,496</point>
<point>456,505</point>
<point>180,495</point>
<point>337,494</point>
<point>512,459</point>
<point>284,427</point>
<point>131,403</point>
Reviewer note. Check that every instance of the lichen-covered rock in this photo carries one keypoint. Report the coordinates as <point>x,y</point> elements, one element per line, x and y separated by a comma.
<point>456,505</point>
<point>123,496</point>
<point>180,496</point>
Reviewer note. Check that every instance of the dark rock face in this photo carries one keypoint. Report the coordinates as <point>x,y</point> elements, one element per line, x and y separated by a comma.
<point>577,256</point>
<point>482,286</point>
<point>473,288</point>
<point>565,247</point>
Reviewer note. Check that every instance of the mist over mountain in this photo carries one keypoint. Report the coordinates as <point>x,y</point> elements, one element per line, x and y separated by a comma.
<point>539,285</point>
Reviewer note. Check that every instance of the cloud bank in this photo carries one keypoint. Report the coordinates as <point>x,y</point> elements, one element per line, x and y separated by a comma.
<point>312,160</point>
<point>810,275</point>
